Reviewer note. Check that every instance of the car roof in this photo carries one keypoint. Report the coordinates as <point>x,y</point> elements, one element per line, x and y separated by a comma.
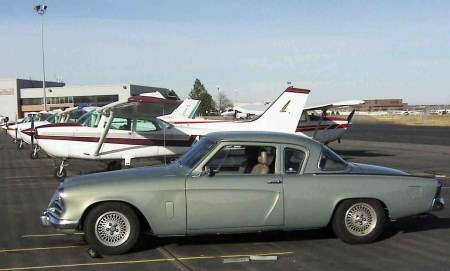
<point>264,136</point>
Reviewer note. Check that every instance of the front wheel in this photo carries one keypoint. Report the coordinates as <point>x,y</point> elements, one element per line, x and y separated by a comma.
<point>59,174</point>
<point>359,221</point>
<point>112,228</point>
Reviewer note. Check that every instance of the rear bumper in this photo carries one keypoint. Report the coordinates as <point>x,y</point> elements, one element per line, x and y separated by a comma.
<point>438,204</point>
<point>64,226</point>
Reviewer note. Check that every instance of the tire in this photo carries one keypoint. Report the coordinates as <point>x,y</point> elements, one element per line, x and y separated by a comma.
<point>359,221</point>
<point>59,175</point>
<point>34,155</point>
<point>115,216</point>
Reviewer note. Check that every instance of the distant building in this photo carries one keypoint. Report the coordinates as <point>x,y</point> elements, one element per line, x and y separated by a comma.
<point>382,105</point>
<point>22,96</point>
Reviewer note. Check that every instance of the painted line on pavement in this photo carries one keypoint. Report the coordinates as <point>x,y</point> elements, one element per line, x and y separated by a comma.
<point>142,261</point>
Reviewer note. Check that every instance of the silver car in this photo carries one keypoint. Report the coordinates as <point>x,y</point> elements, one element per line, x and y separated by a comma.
<point>232,182</point>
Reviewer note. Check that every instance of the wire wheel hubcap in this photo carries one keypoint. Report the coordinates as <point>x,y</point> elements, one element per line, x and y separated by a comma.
<point>112,228</point>
<point>360,219</point>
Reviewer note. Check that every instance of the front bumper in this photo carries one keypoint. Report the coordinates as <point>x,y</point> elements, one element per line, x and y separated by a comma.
<point>438,204</point>
<point>64,226</point>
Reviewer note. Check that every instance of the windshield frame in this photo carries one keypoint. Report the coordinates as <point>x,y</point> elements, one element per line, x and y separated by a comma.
<point>198,152</point>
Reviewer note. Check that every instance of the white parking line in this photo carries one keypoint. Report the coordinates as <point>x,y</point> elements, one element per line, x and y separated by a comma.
<point>49,235</point>
<point>142,261</point>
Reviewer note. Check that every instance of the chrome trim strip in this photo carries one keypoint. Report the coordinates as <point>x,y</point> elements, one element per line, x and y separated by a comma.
<point>66,226</point>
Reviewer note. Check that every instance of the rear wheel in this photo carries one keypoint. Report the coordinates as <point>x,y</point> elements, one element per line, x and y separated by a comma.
<point>112,228</point>
<point>359,221</point>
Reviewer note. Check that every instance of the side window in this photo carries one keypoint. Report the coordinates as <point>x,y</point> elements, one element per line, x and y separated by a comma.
<point>293,161</point>
<point>121,124</point>
<point>244,159</point>
<point>147,126</point>
<point>330,161</point>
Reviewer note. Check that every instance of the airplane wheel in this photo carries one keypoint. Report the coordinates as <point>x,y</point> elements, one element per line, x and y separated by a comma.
<point>34,155</point>
<point>59,175</point>
<point>20,146</point>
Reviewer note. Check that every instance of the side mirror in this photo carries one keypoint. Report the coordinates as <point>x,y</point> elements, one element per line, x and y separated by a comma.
<point>210,172</point>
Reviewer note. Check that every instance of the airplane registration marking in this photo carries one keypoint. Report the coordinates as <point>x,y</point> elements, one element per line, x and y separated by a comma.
<point>145,261</point>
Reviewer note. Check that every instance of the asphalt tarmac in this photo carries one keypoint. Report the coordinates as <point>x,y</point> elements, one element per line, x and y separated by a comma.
<point>419,243</point>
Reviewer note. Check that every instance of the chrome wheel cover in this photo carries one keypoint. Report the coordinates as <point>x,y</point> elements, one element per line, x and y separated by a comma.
<point>112,229</point>
<point>360,219</point>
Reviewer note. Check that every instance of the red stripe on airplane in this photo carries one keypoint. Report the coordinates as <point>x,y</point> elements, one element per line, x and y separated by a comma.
<point>298,90</point>
<point>127,141</point>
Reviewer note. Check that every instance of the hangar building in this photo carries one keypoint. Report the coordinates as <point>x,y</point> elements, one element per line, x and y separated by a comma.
<point>20,96</point>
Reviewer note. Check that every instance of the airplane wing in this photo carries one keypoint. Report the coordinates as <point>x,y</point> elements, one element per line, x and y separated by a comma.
<point>141,107</point>
<point>252,109</point>
<point>334,105</point>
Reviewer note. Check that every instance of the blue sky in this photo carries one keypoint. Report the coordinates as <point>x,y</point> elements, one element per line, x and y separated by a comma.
<point>339,49</point>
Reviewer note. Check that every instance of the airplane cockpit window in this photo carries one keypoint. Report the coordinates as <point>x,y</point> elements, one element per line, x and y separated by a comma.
<point>90,119</point>
<point>147,126</point>
<point>53,118</point>
<point>303,117</point>
<point>121,124</point>
<point>164,124</point>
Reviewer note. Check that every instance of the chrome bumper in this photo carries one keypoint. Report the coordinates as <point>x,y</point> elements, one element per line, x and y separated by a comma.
<point>64,226</point>
<point>438,204</point>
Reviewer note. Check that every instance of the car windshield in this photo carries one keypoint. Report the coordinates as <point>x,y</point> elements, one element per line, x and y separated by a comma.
<point>197,152</point>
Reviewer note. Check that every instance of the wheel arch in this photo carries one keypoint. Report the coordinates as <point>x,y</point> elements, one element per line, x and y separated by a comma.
<point>385,208</point>
<point>145,224</point>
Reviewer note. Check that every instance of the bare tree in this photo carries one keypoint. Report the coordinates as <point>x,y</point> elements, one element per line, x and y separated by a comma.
<point>224,101</point>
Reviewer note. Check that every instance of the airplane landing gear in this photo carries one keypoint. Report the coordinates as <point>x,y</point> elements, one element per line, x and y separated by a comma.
<point>20,146</point>
<point>34,154</point>
<point>60,172</point>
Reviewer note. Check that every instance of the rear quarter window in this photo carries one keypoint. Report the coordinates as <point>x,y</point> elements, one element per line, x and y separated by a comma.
<point>330,161</point>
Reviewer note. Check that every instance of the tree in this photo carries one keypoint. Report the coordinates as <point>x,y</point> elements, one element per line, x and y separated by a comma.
<point>199,92</point>
<point>224,102</point>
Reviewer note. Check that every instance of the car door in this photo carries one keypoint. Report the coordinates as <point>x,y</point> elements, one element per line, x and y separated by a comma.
<point>230,200</point>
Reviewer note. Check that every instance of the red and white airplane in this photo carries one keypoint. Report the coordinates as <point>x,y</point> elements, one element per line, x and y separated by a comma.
<point>129,130</point>
<point>321,127</point>
<point>70,115</point>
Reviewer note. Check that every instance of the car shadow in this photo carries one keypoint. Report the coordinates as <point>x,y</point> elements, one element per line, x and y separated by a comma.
<point>408,225</point>
<point>414,224</point>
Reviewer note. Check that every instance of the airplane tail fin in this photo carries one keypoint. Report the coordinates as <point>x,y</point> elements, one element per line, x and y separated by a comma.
<point>284,113</point>
<point>187,109</point>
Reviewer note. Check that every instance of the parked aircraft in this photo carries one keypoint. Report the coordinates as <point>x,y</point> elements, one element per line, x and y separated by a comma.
<point>321,127</point>
<point>128,130</point>
<point>69,115</point>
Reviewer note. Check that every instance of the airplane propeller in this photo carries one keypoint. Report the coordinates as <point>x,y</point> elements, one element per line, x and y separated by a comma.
<point>34,153</point>
<point>349,118</point>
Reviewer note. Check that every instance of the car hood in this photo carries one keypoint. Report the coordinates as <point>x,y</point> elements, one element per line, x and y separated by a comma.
<point>127,175</point>
<point>376,170</point>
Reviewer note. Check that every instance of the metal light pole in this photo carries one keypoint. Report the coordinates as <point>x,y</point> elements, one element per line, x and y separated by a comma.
<point>220,100</point>
<point>40,9</point>
<point>235,92</point>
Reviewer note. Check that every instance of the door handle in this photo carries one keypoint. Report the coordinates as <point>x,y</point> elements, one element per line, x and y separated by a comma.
<point>274,182</point>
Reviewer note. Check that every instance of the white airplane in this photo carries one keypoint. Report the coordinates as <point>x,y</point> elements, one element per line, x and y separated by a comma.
<point>13,131</point>
<point>129,130</point>
<point>318,126</point>
<point>69,115</point>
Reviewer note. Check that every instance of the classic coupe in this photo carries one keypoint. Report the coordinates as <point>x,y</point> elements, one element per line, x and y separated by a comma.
<point>234,182</point>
